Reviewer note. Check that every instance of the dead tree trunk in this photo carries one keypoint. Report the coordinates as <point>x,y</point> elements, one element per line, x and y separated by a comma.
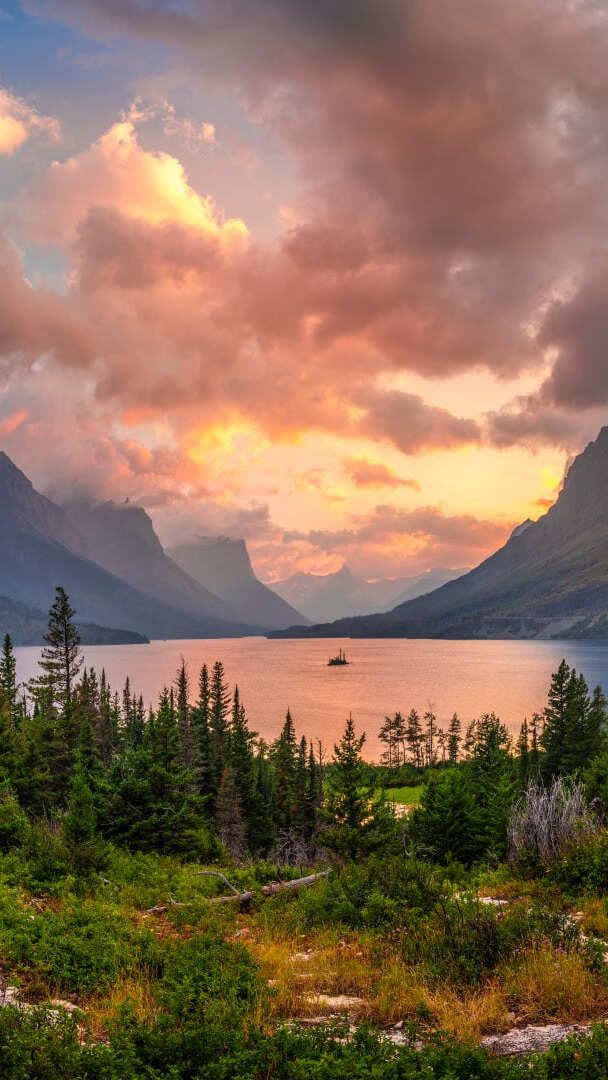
<point>244,898</point>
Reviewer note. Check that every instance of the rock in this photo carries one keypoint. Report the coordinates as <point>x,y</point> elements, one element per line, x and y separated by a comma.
<point>532,1039</point>
<point>9,995</point>
<point>338,1001</point>
<point>68,1006</point>
<point>493,901</point>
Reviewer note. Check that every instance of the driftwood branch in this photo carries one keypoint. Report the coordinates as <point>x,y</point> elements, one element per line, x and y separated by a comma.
<point>243,898</point>
<point>216,873</point>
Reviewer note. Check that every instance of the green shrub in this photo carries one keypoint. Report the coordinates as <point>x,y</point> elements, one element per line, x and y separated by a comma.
<point>14,824</point>
<point>584,868</point>
<point>80,949</point>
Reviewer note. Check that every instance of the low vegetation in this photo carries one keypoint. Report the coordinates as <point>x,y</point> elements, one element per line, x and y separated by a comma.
<point>124,836</point>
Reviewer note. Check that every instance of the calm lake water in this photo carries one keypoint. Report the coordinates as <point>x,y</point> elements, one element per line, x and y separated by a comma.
<point>471,677</point>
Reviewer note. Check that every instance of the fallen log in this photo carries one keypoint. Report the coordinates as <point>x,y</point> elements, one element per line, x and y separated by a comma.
<point>243,898</point>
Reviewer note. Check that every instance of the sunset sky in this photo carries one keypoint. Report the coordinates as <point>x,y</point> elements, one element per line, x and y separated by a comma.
<point>332,276</point>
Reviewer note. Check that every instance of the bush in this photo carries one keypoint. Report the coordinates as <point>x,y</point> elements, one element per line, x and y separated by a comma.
<point>80,949</point>
<point>373,894</point>
<point>585,867</point>
<point>14,824</point>
<point>548,821</point>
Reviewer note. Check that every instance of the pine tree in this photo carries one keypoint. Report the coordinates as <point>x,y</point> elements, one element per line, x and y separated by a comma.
<point>80,824</point>
<point>355,821</point>
<point>301,807</point>
<point>242,771</point>
<point>391,734</point>
<point>61,659</point>
<point>55,690</point>
<point>536,725</point>
<point>430,722</point>
<point>523,754</point>
<point>229,818</point>
<point>183,713</point>
<point>285,767</point>
<point>553,737</point>
<point>8,677</point>
<point>202,749</point>
<point>454,738</point>
<point>574,729</point>
<point>414,738</point>
<point>219,711</point>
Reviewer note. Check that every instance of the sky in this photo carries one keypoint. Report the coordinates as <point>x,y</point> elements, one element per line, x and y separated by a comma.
<point>328,276</point>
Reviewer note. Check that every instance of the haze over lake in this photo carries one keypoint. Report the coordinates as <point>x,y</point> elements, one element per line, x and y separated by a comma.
<point>471,677</point>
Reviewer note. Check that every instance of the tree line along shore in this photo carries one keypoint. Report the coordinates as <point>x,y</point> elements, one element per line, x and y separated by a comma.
<point>180,898</point>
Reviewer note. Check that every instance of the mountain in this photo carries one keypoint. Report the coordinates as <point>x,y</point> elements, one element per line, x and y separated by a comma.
<point>121,538</point>
<point>324,597</point>
<point>22,507</point>
<point>428,582</point>
<point>40,547</point>
<point>223,565</point>
<point>27,626</point>
<point>549,580</point>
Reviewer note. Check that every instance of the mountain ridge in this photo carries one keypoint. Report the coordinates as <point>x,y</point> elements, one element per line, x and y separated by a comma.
<point>549,579</point>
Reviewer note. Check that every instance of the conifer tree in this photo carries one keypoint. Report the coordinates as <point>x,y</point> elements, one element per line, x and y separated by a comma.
<point>80,824</point>
<point>574,724</point>
<point>183,713</point>
<point>61,659</point>
<point>301,807</point>
<point>391,734</point>
<point>454,738</point>
<point>219,712</point>
<point>523,754</point>
<point>355,821</point>
<point>202,749</point>
<point>536,726</point>
<point>430,723</point>
<point>285,767</point>
<point>242,771</point>
<point>315,789</point>
<point>414,738</point>
<point>8,676</point>
<point>229,817</point>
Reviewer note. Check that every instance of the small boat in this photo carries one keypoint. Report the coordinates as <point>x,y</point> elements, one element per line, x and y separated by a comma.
<point>338,661</point>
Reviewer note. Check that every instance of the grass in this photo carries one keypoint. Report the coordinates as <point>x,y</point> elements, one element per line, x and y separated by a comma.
<point>405,796</point>
<point>107,953</point>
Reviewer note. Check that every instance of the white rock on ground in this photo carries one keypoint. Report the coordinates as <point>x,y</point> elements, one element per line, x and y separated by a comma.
<point>532,1039</point>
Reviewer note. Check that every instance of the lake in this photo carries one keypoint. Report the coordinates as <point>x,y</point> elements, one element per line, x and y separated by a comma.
<point>470,677</point>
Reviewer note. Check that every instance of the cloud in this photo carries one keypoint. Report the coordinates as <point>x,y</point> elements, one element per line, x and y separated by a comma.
<point>19,121</point>
<point>115,171</point>
<point>410,423</point>
<point>391,541</point>
<point>528,422</point>
<point>364,473</point>
<point>448,198</point>
<point>450,168</point>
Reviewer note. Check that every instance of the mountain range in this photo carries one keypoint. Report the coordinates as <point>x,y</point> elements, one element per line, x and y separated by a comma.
<point>549,580</point>
<point>325,597</point>
<point>122,584</point>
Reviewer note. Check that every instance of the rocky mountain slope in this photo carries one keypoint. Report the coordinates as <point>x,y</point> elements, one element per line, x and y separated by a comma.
<point>121,538</point>
<point>40,548</point>
<point>223,565</point>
